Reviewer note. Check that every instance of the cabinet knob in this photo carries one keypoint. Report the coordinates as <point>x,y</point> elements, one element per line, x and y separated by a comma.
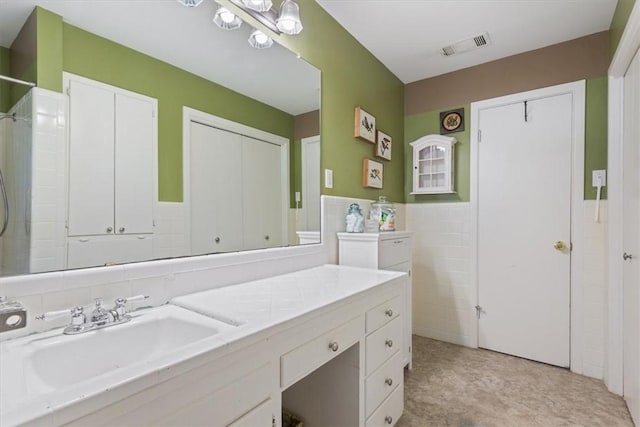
<point>334,346</point>
<point>388,343</point>
<point>388,312</point>
<point>388,419</point>
<point>109,229</point>
<point>266,237</point>
<point>121,229</point>
<point>388,382</point>
<point>217,240</point>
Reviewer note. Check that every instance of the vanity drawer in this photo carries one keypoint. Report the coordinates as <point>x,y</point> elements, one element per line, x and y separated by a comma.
<point>389,412</point>
<point>382,344</point>
<point>383,381</point>
<point>259,416</point>
<point>383,313</point>
<point>306,358</point>
<point>394,251</point>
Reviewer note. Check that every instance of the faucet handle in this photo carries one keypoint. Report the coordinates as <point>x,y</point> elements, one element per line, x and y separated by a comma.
<point>120,303</point>
<point>51,315</point>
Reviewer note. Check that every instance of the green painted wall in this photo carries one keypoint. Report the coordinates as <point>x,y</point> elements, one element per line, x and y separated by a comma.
<point>595,149</point>
<point>619,21</point>
<point>426,123</point>
<point>49,50</point>
<point>351,77</point>
<point>23,57</point>
<point>418,125</point>
<point>100,59</point>
<point>5,87</point>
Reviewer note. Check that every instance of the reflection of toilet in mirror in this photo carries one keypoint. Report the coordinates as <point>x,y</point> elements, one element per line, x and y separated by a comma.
<point>308,213</point>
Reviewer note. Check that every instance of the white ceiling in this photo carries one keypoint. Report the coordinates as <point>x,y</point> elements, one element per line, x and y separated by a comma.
<point>408,35</point>
<point>188,39</point>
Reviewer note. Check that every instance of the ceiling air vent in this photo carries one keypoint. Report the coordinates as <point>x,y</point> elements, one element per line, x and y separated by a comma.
<point>466,45</point>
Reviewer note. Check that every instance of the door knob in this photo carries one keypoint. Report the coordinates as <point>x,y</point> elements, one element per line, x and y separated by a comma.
<point>559,245</point>
<point>626,256</point>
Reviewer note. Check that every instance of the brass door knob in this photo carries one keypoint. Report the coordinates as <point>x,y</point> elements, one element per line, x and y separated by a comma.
<point>559,245</point>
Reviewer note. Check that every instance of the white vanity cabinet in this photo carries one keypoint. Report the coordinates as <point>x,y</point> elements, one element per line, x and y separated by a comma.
<point>111,193</point>
<point>433,157</point>
<point>385,251</point>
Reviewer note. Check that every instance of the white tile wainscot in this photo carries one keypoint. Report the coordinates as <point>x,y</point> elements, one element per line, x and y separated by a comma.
<point>324,328</point>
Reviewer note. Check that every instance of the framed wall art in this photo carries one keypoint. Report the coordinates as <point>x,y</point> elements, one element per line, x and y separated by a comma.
<point>452,121</point>
<point>365,126</point>
<point>371,173</point>
<point>383,145</point>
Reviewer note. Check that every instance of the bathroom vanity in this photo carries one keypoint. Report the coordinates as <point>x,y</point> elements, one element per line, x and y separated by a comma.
<point>324,343</point>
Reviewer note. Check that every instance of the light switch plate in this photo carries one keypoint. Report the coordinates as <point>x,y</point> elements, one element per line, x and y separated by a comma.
<point>328,178</point>
<point>603,177</point>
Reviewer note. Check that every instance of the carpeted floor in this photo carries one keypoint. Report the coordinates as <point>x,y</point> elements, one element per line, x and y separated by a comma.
<point>462,387</point>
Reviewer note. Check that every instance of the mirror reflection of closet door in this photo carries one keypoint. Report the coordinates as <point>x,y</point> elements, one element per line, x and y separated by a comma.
<point>216,190</point>
<point>262,194</point>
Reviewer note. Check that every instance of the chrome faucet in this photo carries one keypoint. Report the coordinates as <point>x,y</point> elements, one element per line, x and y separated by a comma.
<point>99,317</point>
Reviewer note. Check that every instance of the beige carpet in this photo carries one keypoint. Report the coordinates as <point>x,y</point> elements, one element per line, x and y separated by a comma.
<point>462,387</point>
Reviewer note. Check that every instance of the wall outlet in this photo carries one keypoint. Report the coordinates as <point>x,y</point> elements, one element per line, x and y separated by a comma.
<point>328,178</point>
<point>600,175</point>
<point>297,196</point>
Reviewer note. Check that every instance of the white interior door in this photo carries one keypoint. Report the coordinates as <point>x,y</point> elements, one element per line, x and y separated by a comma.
<point>311,183</point>
<point>91,160</point>
<point>262,194</point>
<point>134,165</point>
<point>631,239</point>
<point>524,208</point>
<point>215,190</point>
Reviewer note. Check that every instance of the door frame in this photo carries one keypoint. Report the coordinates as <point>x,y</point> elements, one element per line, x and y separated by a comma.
<point>577,90</point>
<point>304,143</point>
<point>192,115</point>
<point>627,48</point>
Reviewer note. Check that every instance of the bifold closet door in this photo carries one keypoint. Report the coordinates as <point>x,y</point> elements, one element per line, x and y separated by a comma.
<point>215,190</point>
<point>91,160</point>
<point>262,194</point>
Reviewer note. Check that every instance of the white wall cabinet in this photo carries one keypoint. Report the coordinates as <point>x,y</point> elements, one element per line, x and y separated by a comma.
<point>384,251</point>
<point>111,169</point>
<point>433,164</point>
<point>111,180</point>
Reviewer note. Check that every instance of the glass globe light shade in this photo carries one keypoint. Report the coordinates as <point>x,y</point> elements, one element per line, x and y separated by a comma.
<point>226,20</point>
<point>260,40</point>
<point>190,3</point>
<point>289,19</point>
<point>258,5</point>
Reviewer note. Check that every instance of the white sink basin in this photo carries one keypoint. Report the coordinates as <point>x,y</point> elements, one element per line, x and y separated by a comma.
<point>39,364</point>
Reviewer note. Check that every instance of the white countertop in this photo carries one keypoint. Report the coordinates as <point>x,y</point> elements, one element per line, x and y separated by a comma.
<point>256,306</point>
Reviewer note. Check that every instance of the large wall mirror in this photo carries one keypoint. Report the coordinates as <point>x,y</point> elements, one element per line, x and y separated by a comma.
<point>175,137</point>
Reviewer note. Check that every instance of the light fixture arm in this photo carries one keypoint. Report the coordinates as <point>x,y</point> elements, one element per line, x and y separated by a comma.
<point>268,18</point>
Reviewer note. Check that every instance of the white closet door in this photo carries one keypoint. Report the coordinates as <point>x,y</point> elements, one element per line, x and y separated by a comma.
<point>91,157</point>
<point>215,190</point>
<point>134,165</point>
<point>262,194</point>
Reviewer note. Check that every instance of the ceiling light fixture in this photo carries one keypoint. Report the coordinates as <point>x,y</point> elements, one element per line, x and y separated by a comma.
<point>260,40</point>
<point>289,19</point>
<point>227,20</point>
<point>258,5</point>
<point>190,3</point>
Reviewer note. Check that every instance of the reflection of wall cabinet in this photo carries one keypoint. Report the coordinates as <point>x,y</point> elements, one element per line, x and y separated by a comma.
<point>111,179</point>
<point>433,164</point>
<point>235,191</point>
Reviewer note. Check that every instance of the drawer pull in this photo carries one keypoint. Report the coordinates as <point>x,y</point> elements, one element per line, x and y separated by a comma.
<point>388,312</point>
<point>388,382</point>
<point>388,343</point>
<point>334,346</point>
<point>388,419</point>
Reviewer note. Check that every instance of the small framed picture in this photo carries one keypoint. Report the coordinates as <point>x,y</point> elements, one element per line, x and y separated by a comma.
<point>365,126</point>
<point>371,173</point>
<point>383,145</point>
<point>452,121</point>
